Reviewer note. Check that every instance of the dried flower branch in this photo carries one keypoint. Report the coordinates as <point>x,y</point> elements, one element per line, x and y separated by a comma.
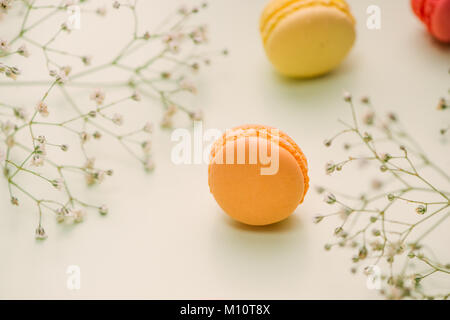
<point>390,225</point>
<point>162,77</point>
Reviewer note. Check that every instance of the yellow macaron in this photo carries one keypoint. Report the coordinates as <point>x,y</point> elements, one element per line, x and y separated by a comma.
<point>307,38</point>
<point>265,190</point>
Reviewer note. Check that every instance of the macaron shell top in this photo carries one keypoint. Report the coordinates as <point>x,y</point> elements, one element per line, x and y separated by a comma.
<point>307,38</point>
<point>435,14</point>
<point>251,198</point>
<point>284,140</point>
<point>417,6</point>
<point>440,23</point>
<point>276,10</point>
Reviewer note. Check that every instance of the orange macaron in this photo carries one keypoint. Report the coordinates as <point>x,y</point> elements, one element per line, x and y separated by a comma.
<point>257,174</point>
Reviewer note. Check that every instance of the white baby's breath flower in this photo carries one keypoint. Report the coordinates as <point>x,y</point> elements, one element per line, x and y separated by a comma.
<point>97,135</point>
<point>68,3</point>
<point>148,127</point>
<point>85,137</point>
<point>58,184</point>
<point>365,100</point>
<point>10,142</point>
<point>146,146</point>
<point>37,160</point>
<point>199,35</point>
<point>98,95</point>
<point>40,234</point>
<point>4,46</point>
<point>183,10</point>
<point>421,209</point>
<point>369,117</point>
<point>87,60</point>
<point>146,35</point>
<point>166,122</point>
<point>23,51</point>
<point>442,104</point>
<point>376,184</point>
<point>149,165</point>
<point>2,155</point>
<point>41,139</point>
<point>136,96</point>
<point>42,108</point>
<point>330,198</point>
<point>12,72</point>
<point>41,149</point>
<point>196,115</point>
<point>188,86</point>
<point>66,70</point>
<point>174,47</point>
<point>78,215</point>
<point>61,77</point>
<point>101,11</point>
<point>116,4</point>
<point>65,27</point>
<point>117,119</point>
<point>5,5</point>
<point>100,175</point>
<point>14,201</point>
<point>173,37</point>
<point>7,126</point>
<point>21,113</point>
<point>103,210</point>
<point>171,110</point>
<point>95,177</point>
<point>195,66</point>
<point>90,163</point>
<point>318,219</point>
<point>347,96</point>
<point>61,214</point>
<point>330,167</point>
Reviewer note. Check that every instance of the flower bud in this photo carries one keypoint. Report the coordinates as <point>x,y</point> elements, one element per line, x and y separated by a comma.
<point>318,219</point>
<point>421,209</point>
<point>330,198</point>
<point>103,210</point>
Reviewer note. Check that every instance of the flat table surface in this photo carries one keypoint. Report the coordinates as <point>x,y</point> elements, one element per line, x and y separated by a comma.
<point>165,236</point>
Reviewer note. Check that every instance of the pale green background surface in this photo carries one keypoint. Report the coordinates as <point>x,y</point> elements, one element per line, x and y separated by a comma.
<point>166,237</point>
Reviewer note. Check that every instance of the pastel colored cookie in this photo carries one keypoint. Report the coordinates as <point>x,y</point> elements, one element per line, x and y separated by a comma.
<point>247,183</point>
<point>435,14</point>
<point>307,38</point>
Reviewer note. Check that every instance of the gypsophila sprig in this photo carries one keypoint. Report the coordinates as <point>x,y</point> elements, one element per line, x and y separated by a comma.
<point>389,225</point>
<point>162,76</point>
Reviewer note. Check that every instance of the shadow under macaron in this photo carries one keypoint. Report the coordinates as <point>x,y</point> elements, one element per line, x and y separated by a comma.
<point>292,223</point>
<point>258,258</point>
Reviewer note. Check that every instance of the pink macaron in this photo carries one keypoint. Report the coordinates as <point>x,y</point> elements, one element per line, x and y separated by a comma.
<point>435,14</point>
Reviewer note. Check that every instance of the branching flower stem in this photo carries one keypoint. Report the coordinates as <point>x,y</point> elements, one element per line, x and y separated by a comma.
<point>381,237</point>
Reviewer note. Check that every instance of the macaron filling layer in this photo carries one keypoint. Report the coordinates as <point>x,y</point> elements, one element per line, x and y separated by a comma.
<point>269,23</point>
<point>284,141</point>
